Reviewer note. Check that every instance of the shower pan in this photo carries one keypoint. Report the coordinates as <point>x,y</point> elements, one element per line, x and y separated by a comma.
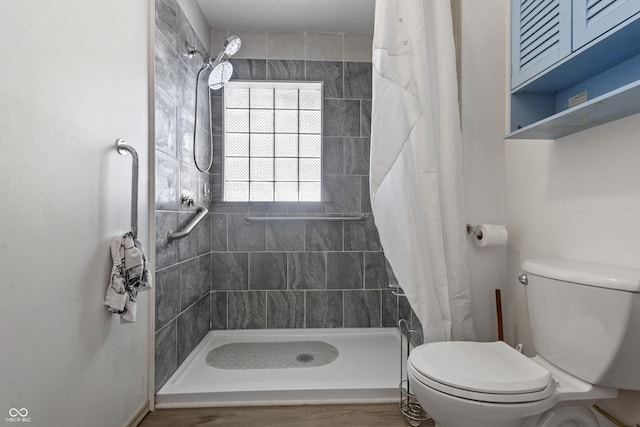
<point>287,366</point>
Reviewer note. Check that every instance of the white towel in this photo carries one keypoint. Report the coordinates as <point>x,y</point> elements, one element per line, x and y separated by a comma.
<point>129,276</point>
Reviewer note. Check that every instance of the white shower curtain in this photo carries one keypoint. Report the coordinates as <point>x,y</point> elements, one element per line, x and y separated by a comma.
<point>417,192</point>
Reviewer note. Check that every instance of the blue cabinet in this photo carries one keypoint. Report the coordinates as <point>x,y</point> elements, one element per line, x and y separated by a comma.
<point>592,18</point>
<point>541,36</point>
<point>575,65</point>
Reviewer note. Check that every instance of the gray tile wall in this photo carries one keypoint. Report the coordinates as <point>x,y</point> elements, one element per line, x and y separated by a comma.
<point>183,267</point>
<point>305,274</point>
<point>229,274</point>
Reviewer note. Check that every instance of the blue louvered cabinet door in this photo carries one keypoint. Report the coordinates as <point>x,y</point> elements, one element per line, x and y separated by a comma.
<point>541,36</point>
<point>592,18</point>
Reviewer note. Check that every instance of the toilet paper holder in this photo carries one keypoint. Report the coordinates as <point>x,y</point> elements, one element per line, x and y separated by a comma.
<point>488,234</point>
<point>471,229</point>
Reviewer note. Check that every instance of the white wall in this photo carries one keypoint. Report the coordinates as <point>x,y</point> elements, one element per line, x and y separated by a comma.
<point>483,73</point>
<point>73,78</point>
<point>578,198</point>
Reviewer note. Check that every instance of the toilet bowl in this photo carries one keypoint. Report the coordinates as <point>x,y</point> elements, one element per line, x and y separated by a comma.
<point>584,322</point>
<point>463,384</point>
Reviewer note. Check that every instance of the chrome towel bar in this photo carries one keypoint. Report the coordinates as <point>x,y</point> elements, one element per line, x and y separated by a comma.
<point>124,148</point>
<point>306,218</point>
<point>202,213</point>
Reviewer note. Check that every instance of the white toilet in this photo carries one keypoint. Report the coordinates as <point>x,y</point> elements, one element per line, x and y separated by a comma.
<point>585,320</point>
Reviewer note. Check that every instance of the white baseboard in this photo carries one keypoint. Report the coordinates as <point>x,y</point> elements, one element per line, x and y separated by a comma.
<point>137,416</point>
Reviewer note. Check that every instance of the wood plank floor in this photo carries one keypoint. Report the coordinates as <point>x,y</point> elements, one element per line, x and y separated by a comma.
<point>375,415</point>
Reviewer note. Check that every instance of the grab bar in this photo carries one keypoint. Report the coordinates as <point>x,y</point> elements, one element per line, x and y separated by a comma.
<point>306,218</point>
<point>397,290</point>
<point>123,148</point>
<point>202,212</point>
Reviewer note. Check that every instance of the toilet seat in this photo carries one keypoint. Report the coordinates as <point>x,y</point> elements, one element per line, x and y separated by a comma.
<point>487,372</point>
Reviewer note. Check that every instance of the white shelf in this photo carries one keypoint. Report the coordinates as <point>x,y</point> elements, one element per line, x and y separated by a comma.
<point>619,103</point>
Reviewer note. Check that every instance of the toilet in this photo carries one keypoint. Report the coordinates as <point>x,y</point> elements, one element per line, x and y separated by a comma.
<point>585,321</point>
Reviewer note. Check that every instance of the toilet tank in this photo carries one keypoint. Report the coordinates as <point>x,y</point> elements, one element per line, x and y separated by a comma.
<point>585,319</point>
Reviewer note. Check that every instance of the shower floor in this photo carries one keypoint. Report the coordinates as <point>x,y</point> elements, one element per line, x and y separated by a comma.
<point>366,370</point>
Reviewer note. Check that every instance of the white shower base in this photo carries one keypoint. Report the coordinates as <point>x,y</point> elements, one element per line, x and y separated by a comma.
<point>366,370</point>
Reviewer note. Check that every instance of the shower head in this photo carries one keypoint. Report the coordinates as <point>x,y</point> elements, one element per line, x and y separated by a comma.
<point>221,72</point>
<point>221,69</point>
<point>232,45</point>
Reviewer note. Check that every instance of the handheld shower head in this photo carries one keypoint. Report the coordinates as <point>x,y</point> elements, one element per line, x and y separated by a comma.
<point>232,45</point>
<point>221,72</point>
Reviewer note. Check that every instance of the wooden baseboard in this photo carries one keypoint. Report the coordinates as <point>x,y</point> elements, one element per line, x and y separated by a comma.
<point>137,416</point>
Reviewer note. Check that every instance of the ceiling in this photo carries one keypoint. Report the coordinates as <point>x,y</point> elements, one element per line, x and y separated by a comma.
<point>318,16</point>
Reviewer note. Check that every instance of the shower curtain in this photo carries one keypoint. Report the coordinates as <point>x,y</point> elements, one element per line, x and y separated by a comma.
<point>416,181</point>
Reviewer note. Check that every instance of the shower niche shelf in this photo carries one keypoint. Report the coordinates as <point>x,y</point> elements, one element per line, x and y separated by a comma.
<point>603,71</point>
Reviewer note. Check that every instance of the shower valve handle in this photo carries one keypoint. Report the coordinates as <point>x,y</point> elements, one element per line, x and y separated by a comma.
<point>187,200</point>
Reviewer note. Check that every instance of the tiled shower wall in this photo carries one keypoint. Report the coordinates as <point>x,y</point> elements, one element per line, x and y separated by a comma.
<point>299,274</point>
<point>229,274</point>
<point>183,267</point>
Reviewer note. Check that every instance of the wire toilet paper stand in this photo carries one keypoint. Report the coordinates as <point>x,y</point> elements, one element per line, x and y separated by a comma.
<point>409,405</point>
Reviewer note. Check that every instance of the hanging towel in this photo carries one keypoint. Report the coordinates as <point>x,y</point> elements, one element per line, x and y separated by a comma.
<point>129,276</point>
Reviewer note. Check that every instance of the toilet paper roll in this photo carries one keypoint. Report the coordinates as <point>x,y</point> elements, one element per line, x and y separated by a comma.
<point>490,235</point>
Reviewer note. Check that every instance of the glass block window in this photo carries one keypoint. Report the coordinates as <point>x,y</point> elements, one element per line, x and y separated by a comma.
<point>272,141</point>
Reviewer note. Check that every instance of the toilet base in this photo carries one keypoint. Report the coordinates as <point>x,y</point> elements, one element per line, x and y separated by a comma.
<point>569,416</point>
<point>451,411</point>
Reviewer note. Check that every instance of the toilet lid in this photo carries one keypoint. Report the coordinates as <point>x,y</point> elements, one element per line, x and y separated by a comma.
<point>493,368</point>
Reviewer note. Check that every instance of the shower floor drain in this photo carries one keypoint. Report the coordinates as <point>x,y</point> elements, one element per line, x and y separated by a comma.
<point>272,355</point>
<point>305,358</point>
